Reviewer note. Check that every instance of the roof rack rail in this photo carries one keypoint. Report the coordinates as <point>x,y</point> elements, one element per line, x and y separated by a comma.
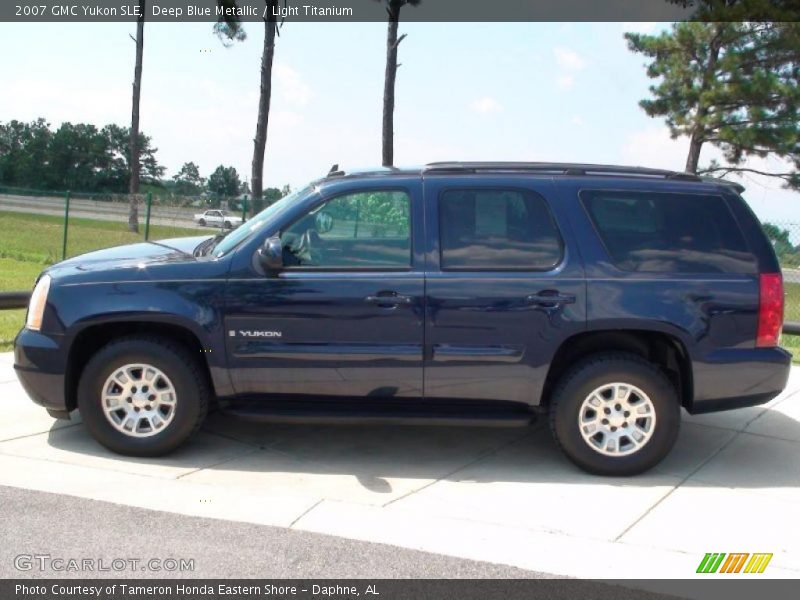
<point>732,184</point>
<point>555,169</point>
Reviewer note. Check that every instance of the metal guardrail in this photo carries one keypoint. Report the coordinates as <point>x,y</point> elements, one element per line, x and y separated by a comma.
<point>11,300</point>
<point>791,328</point>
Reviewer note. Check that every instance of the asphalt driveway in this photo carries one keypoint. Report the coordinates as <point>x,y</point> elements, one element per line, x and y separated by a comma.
<point>505,496</point>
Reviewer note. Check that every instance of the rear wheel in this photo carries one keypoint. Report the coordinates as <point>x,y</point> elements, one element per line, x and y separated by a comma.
<point>615,414</point>
<point>142,396</point>
<point>228,225</point>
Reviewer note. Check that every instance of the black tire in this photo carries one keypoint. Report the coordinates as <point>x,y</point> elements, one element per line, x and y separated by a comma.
<point>202,222</point>
<point>228,225</point>
<point>588,375</point>
<point>182,369</point>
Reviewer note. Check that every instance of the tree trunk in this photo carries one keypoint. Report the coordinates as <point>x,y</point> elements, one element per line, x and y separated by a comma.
<point>695,145</point>
<point>699,132</point>
<point>260,140</point>
<point>133,214</point>
<point>388,86</point>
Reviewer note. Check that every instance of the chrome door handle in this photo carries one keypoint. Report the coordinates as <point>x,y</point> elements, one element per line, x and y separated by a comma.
<point>390,299</point>
<point>550,298</point>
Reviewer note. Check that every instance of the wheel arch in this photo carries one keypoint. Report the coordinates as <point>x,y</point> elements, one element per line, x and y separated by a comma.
<point>93,337</point>
<point>666,350</point>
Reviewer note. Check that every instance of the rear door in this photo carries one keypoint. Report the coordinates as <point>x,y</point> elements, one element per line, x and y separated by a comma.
<point>504,287</point>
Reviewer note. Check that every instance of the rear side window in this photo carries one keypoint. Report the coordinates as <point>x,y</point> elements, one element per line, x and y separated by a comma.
<point>669,233</point>
<point>484,229</point>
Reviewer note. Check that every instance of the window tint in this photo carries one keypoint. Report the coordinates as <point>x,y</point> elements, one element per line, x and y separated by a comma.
<point>669,233</point>
<point>497,229</point>
<point>361,230</point>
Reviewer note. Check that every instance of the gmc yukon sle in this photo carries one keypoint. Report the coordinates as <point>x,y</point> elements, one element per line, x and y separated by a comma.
<point>606,297</point>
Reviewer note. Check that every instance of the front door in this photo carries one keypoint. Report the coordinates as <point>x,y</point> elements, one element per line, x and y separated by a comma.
<point>504,287</point>
<point>344,317</point>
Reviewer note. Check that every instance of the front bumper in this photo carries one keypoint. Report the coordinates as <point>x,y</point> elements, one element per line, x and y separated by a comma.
<point>737,378</point>
<point>41,364</point>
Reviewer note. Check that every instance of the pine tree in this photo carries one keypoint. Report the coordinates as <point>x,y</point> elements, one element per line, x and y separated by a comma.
<point>229,29</point>
<point>730,84</point>
<point>133,209</point>
<point>390,77</point>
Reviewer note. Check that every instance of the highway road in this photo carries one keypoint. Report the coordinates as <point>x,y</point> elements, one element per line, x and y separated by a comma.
<point>94,209</point>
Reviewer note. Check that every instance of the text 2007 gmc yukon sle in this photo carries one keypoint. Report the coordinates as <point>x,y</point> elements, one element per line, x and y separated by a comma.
<point>609,297</point>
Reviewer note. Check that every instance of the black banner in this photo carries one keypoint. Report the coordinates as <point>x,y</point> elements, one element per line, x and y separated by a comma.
<point>176,11</point>
<point>394,589</point>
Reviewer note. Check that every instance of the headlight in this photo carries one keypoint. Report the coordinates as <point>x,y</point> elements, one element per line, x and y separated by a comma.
<point>37,304</point>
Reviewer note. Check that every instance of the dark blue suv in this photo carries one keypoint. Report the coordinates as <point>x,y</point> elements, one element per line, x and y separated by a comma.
<point>608,297</point>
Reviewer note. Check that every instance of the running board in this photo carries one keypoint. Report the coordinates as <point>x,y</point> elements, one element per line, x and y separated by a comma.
<point>361,414</point>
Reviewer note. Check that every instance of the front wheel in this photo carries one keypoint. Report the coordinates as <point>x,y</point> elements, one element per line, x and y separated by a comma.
<point>615,414</point>
<point>202,222</point>
<point>142,396</point>
<point>228,225</point>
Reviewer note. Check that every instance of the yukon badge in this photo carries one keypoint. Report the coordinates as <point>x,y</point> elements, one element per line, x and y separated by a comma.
<point>255,334</point>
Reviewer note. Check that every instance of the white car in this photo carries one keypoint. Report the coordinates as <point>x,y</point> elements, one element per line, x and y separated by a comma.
<point>217,218</point>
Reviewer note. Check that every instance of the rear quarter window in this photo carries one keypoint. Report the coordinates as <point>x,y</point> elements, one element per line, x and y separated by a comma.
<point>669,233</point>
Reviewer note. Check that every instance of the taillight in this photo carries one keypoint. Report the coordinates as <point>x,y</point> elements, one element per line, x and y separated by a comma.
<point>770,309</point>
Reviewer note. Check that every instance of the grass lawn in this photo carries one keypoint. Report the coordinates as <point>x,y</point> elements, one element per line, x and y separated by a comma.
<point>17,275</point>
<point>39,238</point>
<point>10,323</point>
<point>792,344</point>
<point>30,242</point>
<point>792,291</point>
<point>792,313</point>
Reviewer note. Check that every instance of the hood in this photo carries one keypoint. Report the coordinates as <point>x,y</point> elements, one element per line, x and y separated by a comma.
<point>134,255</point>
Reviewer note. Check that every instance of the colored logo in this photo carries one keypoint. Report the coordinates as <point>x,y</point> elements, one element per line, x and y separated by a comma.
<point>741,562</point>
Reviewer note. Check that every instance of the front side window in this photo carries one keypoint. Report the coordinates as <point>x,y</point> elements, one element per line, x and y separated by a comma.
<point>497,230</point>
<point>669,233</point>
<point>362,230</point>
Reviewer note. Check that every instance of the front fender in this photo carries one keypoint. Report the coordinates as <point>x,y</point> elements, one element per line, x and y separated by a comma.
<point>195,306</point>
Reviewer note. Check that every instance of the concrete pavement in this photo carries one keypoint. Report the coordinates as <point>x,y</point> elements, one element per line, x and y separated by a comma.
<point>505,496</point>
<point>38,523</point>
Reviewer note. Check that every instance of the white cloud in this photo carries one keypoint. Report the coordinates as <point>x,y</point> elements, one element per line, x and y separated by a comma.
<point>565,82</point>
<point>486,105</point>
<point>577,120</point>
<point>639,27</point>
<point>290,86</point>
<point>28,99</point>
<point>653,147</point>
<point>569,60</point>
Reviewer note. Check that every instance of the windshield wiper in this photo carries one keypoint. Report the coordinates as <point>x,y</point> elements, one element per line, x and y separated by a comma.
<point>207,246</point>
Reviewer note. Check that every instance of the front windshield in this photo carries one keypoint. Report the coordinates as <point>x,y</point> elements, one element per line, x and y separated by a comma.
<point>245,230</point>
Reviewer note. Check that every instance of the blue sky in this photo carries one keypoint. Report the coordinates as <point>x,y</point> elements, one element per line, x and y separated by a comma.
<point>489,91</point>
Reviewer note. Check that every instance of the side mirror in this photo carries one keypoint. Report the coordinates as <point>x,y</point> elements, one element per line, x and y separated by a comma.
<point>270,255</point>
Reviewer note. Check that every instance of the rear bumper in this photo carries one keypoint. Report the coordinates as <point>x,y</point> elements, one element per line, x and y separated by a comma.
<point>736,378</point>
<point>40,362</point>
